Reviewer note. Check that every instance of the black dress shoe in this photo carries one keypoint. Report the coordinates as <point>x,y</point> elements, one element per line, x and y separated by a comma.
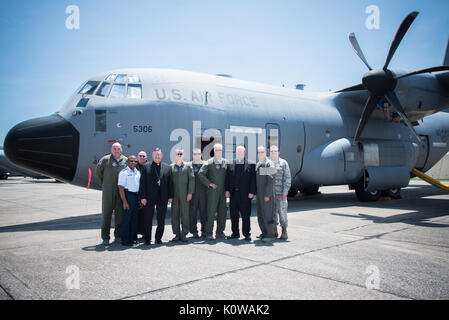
<point>158,241</point>
<point>248,238</point>
<point>233,236</point>
<point>147,243</point>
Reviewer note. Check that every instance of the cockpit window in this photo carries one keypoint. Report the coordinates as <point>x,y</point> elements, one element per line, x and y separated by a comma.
<point>89,87</point>
<point>117,91</point>
<point>134,91</point>
<point>120,78</point>
<point>132,78</point>
<point>82,103</point>
<point>110,77</point>
<point>121,86</point>
<point>104,89</point>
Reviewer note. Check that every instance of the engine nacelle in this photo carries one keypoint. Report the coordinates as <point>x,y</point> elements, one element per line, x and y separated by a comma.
<point>333,163</point>
<point>387,163</point>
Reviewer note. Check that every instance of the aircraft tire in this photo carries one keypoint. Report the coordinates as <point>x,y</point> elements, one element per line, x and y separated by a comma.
<point>292,192</point>
<point>309,191</point>
<point>366,196</point>
<point>3,177</point>
<point>394,193</point>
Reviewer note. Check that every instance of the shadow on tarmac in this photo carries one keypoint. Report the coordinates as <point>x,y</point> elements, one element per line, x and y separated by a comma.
<point>142,246</point>
<point>414,200</point>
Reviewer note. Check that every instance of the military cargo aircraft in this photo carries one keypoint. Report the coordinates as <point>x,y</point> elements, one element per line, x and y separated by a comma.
<point>370,136</point>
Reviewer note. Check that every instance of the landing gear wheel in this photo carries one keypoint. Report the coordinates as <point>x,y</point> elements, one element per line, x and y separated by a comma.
<point>366,196</point>
<point>3,177</point>
<point>309,191</point>
<point>292,192</point>
<point>394,193</point>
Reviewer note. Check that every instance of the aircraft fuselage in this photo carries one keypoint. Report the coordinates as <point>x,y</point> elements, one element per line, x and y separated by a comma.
<point>314,131</point>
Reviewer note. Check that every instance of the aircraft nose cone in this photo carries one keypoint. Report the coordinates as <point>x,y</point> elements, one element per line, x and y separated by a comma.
<point>48,145</point>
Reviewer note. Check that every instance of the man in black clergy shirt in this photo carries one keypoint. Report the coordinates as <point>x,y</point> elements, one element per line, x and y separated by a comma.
<point>241,187</point>
<point>156,189</point>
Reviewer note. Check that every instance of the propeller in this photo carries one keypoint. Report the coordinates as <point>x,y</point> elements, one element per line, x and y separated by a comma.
<point>382,82</point>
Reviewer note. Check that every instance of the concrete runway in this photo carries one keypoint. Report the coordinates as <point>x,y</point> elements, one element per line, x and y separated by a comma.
<point>338,248</point>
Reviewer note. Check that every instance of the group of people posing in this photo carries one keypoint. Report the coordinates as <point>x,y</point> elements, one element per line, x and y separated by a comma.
<point>134,187</point>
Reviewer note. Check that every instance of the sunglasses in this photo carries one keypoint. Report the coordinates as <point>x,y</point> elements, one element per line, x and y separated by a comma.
<point>132,161</point>
<point>179,154</point>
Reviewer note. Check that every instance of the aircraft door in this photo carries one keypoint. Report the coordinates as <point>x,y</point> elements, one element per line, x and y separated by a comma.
<point>273,135</point>
<point>100,133</point>
<point>290,138</point>
<point>116,124</point>
<point>108,129</point>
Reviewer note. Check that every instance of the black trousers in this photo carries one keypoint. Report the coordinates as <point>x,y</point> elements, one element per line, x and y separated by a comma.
<point>198,203</point>
<point>140,222</point>
<point>240,205</point>
<point>148,211</point>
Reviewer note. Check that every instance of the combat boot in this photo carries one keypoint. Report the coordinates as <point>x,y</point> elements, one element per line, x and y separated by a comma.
<point>284,235</point>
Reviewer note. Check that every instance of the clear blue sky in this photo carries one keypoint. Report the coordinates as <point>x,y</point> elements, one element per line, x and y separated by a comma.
<point>275,42</point>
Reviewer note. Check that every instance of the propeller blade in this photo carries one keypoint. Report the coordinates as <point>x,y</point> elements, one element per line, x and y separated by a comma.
<point>394,101</point>
<point>367,111</point>
<point>353,88</point>
<point>357,49</point>
<point>428,70</point>
<point>403,28</point>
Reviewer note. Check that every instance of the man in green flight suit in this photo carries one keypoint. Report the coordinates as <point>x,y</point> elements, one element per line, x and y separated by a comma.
<point>199,199</point>
<point>213,175</point>
<point>184,187</point>
<point>106,174</point>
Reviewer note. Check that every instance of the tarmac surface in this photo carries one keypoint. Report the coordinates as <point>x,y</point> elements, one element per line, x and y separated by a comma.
<point>338,248</point>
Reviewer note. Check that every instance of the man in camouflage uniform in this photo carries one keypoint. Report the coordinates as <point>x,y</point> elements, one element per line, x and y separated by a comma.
<point>184,187</point>
<point>281,186</point>
<point>265,171</point>
<point>213,175</point>
<point>106,174</point>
